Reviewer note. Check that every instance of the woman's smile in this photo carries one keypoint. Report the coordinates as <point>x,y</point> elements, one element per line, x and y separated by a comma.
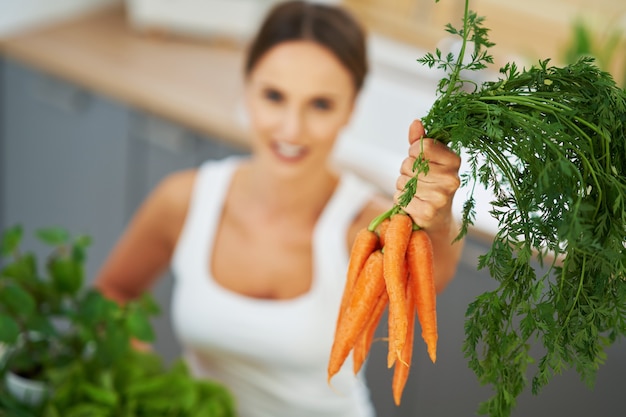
<point>289,152</point>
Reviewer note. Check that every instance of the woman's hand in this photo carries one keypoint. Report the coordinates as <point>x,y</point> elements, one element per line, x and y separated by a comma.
<point>431,206</point>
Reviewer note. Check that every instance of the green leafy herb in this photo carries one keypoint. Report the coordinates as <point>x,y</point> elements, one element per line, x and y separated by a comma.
<point>78,342</point>
<point>550,143</point>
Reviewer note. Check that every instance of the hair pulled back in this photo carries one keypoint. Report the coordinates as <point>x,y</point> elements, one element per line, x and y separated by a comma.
<point>331,27</point>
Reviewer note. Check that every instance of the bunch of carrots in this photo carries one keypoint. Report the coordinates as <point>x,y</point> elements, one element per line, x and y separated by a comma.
<point>391,266</point>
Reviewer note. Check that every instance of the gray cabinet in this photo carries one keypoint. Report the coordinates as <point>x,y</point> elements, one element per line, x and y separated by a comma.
<point>75,159</point>
<point>64,158</point>
<point>2,147</point>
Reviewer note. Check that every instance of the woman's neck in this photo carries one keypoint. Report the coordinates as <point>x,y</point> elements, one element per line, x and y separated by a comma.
<point>304,196</point>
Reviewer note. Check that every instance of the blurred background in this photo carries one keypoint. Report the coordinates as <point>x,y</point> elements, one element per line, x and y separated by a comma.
<point>99,99</point>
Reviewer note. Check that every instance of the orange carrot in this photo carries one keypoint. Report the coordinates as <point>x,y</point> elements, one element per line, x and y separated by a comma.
<point>364,342</point>
<point>403,366</point>
<point>420,263</point>
<point>364,244</point>
<point>392,355</point>
<point>381,230</point>
<point>369,283</point>
<point>391,319</point>
<point>396,243</point>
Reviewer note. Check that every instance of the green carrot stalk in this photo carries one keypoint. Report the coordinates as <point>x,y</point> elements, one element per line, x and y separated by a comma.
<point>549,142</point>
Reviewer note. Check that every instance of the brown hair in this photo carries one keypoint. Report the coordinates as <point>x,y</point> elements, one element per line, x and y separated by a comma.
<point>331,27</point>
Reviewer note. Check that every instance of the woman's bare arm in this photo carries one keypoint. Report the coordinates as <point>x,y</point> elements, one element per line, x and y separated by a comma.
<point>144,250</point>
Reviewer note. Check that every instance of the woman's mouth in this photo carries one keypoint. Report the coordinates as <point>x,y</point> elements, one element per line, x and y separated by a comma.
<point>289,151</point>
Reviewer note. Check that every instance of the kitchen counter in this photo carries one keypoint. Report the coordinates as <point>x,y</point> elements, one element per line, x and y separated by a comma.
<point>195,84</point>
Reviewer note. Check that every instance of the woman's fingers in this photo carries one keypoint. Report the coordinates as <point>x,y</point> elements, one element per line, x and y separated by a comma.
<point>436,189</point>
<point>416,131</point>
<point>431,197</point>
<point>443,166</point>
<point>434,152</point>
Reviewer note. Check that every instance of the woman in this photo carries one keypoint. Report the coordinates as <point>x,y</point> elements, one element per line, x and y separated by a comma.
<point>259,245</point>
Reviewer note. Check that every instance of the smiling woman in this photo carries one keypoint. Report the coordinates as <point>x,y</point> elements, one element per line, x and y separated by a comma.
<point>259,244</point>
<point>299,121</point>
<point>287,114</point>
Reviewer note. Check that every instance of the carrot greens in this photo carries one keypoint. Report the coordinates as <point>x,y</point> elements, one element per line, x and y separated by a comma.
<point>550,143</point>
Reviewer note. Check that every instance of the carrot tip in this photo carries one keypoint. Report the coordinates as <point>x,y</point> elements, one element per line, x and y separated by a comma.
<point>391,359</point>
<point>432,351</point>
<point>335,390</point>
<point>403,362</point>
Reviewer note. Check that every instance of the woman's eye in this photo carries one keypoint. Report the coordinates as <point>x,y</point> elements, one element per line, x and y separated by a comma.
<point>273,95</point>
<point>322,104</point>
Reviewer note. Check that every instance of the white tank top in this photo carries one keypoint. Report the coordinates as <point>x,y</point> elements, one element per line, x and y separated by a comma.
<point>272,354</point>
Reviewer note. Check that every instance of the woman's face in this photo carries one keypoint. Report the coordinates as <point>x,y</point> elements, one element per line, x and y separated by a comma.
<point>299,96</point>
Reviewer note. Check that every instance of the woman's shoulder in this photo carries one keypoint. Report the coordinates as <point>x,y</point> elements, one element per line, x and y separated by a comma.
<point>176,187</point>
<point>176,190</point>
<point>159,219</point>
<point>171,198</point>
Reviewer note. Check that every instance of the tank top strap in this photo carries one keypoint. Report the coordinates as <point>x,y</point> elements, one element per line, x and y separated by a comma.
<point>207,198</point>
<point>330,235</point>
<point>351,196</point>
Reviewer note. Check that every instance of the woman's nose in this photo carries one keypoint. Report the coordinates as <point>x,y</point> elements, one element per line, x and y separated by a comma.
<point>290,126</point>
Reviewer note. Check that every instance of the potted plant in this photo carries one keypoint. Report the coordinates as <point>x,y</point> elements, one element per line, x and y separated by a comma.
<point>46,316</point>
<point>68,348</point>
<point>35,309</point>
<point>138,385</point>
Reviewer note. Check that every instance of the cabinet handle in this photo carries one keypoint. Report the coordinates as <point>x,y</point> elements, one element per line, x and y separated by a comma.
<point>161,133</point>
<point>61,94</point>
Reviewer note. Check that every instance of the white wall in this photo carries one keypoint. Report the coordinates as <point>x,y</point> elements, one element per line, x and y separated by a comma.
<point>19,15</point>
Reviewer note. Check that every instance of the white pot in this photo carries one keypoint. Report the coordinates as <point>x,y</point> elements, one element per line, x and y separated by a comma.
<point>27,391</point>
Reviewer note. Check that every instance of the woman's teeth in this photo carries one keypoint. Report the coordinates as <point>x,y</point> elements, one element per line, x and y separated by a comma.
<point>289,150</point>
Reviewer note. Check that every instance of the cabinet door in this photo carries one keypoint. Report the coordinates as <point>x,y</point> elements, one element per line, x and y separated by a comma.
<point>210,148</point>
<point>64,159</point>
<point>2,138</point>
<point>158,148</point>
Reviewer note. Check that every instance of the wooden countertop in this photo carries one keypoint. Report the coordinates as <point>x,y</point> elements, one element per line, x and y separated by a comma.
<point>195,84</point>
